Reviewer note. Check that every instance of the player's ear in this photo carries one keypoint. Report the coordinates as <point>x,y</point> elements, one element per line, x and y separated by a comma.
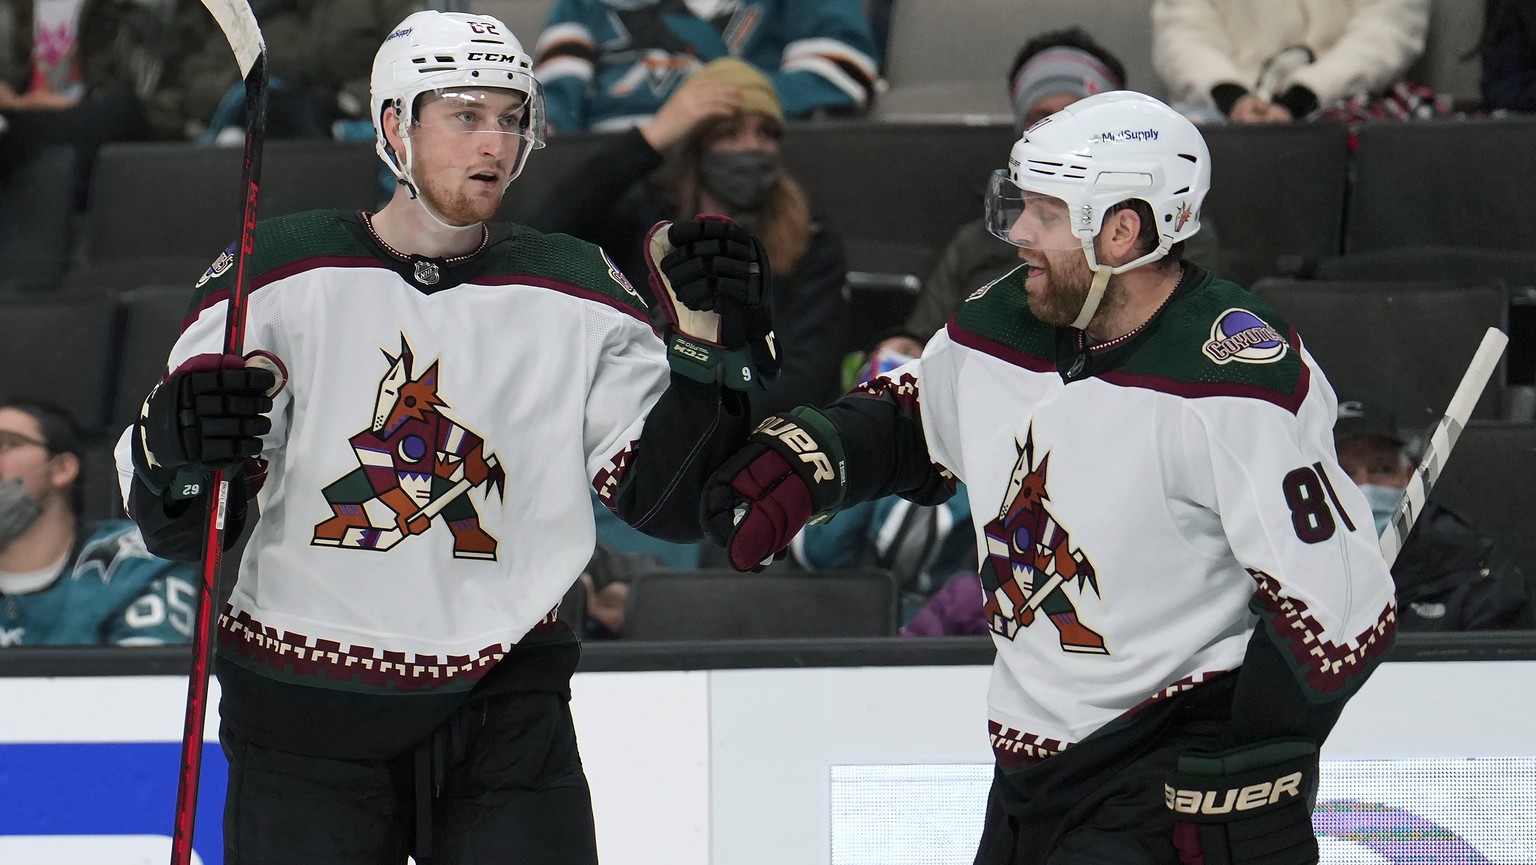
<point>390,120</point>
<point>1120,230</point>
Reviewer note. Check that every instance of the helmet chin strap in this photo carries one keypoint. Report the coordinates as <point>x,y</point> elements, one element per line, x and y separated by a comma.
<point>1101,275</point>
<point>410,184</point>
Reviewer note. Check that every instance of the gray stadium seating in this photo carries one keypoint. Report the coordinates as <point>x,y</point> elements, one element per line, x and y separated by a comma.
<point>1453,183</point>
<point>1488,481</point>
<point>948,60</point>
<point>60,349</point>
<point>1455,27</point>
<point>103,498</point>
<point>896,192</point>
<point>725,605</point>
<point>1406,343</point>
<point>151,323</point>
<point>1276,192</point>
<point>171,208</point>
<point>35,213</point>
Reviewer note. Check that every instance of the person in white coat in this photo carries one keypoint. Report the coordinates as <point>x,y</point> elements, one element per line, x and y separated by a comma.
<point>1268,61</point>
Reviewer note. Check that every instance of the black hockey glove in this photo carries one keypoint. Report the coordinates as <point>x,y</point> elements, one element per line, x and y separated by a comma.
<point>791,472</point>
<point>1246,806</point>
<point>712,280</point>
<point>208,413</point>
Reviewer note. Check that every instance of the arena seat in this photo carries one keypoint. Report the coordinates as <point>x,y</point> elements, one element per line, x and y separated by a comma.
<point>180,202</point>
<point>152,321</point>
<point>1409,343</point>
<point>896,192</point>
<point>1487,480</point>
<point>721,604</point>
<point>941,62</point>
<point>1452,183</point>
<point>1455,27</point>
<point>35,217</point>
<point>103,497</point>
<point>1276,191</point>
<point>61,349</point>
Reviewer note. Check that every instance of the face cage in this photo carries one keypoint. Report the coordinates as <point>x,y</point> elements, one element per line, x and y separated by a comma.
<point>1006,204</point>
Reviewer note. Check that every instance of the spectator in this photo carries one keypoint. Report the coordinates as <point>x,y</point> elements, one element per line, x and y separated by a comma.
<point>1273,61</point>
<point>1449,576</point>
<point>607,65</point>
<point>74,74</point>
<point>64,581</point>
<point>722,131</point>
<point>1509,55</point>
<point>1051,71</point>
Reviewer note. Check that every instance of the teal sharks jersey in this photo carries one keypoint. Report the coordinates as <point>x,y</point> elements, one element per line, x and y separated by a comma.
<point>110,592</point>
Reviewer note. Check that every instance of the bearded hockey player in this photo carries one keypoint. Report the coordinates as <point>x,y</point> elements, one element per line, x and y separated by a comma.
<point>425,401</point>
<point>1182,585</point>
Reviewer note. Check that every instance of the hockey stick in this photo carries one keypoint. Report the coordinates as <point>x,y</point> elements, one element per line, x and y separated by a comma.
<point>1441,440</point>
<point>239,25</point>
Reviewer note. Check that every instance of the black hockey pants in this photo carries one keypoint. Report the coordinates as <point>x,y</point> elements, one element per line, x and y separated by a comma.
<point>501,783</point>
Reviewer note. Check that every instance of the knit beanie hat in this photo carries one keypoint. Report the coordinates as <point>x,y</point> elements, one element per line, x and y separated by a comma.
<point>757,93</point>
<point>1062,69</point>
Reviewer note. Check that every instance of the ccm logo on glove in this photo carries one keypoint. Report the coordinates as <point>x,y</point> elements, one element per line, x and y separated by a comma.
<point>1234,798</point>
<point>800,442</point>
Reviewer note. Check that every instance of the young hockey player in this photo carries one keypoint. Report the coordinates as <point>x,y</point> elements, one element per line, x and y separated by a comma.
<point>425,402</point>
<point>1182,585</point>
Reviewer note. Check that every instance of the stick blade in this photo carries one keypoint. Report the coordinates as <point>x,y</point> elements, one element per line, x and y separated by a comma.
<point>239,25</point>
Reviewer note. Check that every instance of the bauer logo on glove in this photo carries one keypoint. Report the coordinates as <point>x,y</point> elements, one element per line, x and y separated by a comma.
<point>713,283</point>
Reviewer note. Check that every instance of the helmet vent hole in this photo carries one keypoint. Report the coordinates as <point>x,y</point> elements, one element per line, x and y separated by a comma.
<point>1189,156</point>
<point>1167,217</point>
<point>443,59</point>
<point>487,41</point>
<point>1182,191</point>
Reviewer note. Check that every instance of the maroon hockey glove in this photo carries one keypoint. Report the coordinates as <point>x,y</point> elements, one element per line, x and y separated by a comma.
<point>209,412</point>
<point>790,473</point>
<point>1245,806</point>
<point>712,280</point>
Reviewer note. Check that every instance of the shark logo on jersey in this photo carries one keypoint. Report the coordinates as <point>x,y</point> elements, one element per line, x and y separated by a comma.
<point>1030,560</point>
<point>1239,335</point>
<point>220,266</point>
<point>415,464</point>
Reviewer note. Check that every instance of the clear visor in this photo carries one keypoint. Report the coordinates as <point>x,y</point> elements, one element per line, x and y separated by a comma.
<point>1029,220</point>
<point>515,110</point>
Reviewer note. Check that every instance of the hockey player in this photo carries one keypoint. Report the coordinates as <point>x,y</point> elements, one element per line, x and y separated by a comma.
<point>1182,585</point>
<point>66,581</point>
<point>426,400</point>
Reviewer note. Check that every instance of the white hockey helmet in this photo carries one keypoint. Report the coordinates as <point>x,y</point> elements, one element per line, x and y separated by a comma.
<point>446,51</point>
<point>1094,154</point>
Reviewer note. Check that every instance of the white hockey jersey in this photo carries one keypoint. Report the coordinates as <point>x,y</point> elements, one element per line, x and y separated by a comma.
<point>426,503</point>
<point>1136,523</point>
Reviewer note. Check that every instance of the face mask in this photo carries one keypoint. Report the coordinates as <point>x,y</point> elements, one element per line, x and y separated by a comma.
<point>742,180</point>
<point>17,511</point>
<point>1383,502</point>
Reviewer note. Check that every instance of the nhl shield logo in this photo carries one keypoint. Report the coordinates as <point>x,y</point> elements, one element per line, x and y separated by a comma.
<point>426,273</point>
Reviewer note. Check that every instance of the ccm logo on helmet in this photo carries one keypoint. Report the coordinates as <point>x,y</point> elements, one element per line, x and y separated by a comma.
<point>1235,798</point>
<point>491,58</point>
<point>801,443</point>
